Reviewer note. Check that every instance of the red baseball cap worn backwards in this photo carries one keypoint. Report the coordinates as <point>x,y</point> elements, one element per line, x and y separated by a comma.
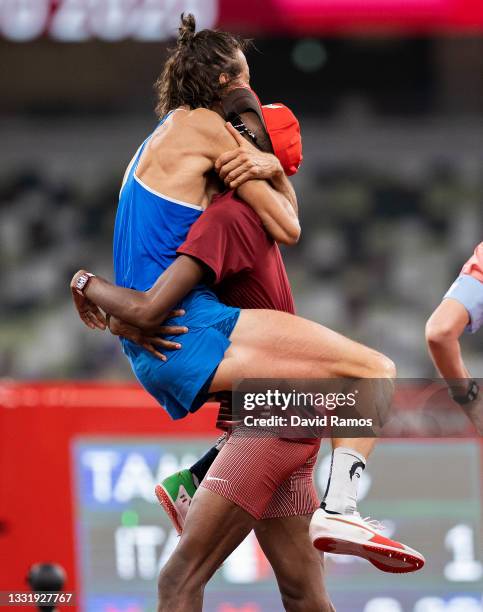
<point>284,131</point>
<point>281,124</point>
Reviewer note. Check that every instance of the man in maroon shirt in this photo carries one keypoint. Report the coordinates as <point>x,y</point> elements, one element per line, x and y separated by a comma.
<point>246,269</point>
<point>244,264</point>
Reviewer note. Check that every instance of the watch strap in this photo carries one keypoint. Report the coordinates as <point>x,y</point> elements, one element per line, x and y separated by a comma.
<point>469,396</point>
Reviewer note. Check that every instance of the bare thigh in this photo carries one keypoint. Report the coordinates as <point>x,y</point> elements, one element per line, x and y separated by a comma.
<point>297,565</point>
<point>272,344</point>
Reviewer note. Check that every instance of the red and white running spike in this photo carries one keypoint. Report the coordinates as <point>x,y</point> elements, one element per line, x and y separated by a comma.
<point>350,534</point>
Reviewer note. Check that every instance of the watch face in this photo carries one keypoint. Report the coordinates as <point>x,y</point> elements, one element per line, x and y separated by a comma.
<point>473,392</point>
<point>81,282</point>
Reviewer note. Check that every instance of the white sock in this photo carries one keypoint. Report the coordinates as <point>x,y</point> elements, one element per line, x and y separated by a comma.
<point>345,472</point>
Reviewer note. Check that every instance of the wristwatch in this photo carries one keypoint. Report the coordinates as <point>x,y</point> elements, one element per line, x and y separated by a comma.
<point>470,395</point>
<point>81,282</point>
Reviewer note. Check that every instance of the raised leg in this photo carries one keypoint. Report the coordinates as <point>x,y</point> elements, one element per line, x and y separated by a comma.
<point>270,344</point>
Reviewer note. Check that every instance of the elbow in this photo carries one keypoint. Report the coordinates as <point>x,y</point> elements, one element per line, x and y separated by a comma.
<point>439,333</point>
<point>145,316</point>
<point>290,236</point>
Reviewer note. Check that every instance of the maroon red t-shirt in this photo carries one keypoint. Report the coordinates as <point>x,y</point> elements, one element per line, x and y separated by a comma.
<point>246,263</point>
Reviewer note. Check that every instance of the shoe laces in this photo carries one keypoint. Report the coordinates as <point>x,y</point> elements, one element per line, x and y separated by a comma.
<point>373,523</point>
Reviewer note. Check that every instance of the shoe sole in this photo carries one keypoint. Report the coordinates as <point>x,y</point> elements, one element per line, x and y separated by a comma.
<point>168,506</point>
<point>385,559</point>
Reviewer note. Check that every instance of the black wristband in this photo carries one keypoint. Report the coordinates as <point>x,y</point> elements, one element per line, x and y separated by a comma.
<point>470,395</point>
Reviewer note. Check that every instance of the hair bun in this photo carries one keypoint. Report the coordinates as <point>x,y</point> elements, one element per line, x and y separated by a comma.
<point>186,31</point>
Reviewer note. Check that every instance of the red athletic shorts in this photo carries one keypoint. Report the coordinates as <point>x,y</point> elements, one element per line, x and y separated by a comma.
<point>267,477</point>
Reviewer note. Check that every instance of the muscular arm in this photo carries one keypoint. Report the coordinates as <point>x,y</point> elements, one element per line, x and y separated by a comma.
<point>461,308</point>
<point>443,331</point>
<point>239,165</point>
<point>277,209</point>
<point>281,183</point>
<point>274,209</point>
<point>147,309</point>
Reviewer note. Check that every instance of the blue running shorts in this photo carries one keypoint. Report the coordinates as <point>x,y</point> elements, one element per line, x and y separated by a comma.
<point>181,383</point>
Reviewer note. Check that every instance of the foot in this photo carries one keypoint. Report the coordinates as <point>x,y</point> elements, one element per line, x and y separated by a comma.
<point>175,494</point>
<point>350,534</point>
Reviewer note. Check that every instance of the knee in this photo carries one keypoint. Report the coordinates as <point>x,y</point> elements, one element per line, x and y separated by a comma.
<point>306,602</point>
<point>383,367</point>
<point>176,583</point>
<point>325,605</point>
<point>439,331</point>
<point>167,586</point>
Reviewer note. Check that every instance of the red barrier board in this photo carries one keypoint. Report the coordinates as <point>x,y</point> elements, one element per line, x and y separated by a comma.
<point>37,425</point>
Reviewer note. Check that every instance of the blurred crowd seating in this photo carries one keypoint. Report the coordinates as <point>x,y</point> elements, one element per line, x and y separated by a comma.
<point>382,241</point>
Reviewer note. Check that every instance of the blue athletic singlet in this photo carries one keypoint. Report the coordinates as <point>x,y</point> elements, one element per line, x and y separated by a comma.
<point>149,228</point>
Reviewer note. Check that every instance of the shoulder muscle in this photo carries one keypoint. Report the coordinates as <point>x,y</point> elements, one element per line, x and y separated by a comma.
<point>211,127</point>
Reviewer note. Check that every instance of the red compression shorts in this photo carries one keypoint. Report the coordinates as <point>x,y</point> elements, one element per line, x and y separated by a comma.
<point>267,477</point>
